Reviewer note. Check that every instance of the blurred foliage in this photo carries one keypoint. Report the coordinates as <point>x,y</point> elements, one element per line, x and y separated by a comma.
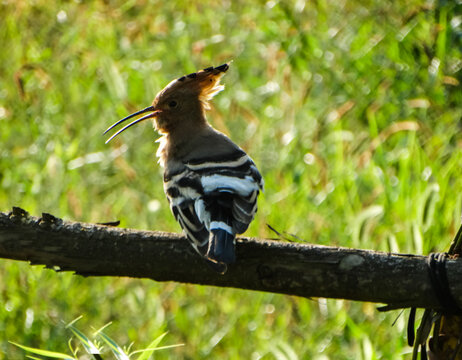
<point>94,349</point>
<point>352,110</point>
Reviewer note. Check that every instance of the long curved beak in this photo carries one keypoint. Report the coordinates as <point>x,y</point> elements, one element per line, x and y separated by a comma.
<point>151,115</point>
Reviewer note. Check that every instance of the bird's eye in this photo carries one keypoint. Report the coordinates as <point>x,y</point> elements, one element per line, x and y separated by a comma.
<point>172,104</point>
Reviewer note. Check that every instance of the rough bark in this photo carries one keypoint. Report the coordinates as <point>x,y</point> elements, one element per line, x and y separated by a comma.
<point>400,280</point>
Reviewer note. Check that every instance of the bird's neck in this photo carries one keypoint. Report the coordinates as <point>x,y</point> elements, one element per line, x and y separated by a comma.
<point>179,141</point>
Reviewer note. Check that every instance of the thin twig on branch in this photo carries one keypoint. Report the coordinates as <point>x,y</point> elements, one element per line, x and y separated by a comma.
<point>400,280</point>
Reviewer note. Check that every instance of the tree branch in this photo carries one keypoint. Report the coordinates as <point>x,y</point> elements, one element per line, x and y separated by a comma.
<point>400,280</point>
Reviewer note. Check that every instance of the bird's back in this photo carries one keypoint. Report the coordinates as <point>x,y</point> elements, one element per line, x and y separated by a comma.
<point>213,189</point>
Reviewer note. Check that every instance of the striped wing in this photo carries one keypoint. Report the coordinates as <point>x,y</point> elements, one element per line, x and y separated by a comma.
<point>215,196</point>
<point>195,229</point>
<point>183,191</point>
<point>238,176</point>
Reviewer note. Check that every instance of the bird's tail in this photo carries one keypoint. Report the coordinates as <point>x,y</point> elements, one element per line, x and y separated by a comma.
<point>221,240</point>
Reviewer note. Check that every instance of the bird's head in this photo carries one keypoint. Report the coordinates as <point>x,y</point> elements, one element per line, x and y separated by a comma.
<point>182,102</point>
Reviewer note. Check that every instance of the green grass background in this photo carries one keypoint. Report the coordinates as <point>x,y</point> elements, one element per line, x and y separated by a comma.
<point>351,109</point>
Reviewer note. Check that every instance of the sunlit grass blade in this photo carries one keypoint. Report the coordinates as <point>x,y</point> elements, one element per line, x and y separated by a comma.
<point>74,321</point>
<point>50,354</point>
<point>278,353</point>
<point>363,222</point>
<point>146,353</point>
<point>288,351</point>
<point>89,346</point>
<point>431,198</point>
<point>118,352</point>
<point>102,328</point>
<point>71,347</point>
<point>153,346</point>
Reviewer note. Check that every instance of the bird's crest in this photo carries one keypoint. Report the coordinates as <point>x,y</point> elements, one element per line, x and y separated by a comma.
<point>204,83</point>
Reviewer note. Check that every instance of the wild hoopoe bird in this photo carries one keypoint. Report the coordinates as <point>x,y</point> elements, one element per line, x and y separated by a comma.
<point>211,184</point>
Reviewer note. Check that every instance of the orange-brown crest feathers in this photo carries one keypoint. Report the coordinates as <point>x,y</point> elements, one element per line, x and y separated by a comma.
<point>174,105</point>
<point>204,84</point>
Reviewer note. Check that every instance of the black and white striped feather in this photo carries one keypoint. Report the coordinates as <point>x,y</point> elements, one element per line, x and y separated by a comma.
<point>213,199</point>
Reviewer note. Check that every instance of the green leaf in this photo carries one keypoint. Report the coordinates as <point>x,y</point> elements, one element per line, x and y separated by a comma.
<point>116,349</point>
<point>50,354</point>
<point>153,346</point>
<point>86,342</point>
<point>74,321</point>
<point>102,328</point>
<point>146,353</point>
